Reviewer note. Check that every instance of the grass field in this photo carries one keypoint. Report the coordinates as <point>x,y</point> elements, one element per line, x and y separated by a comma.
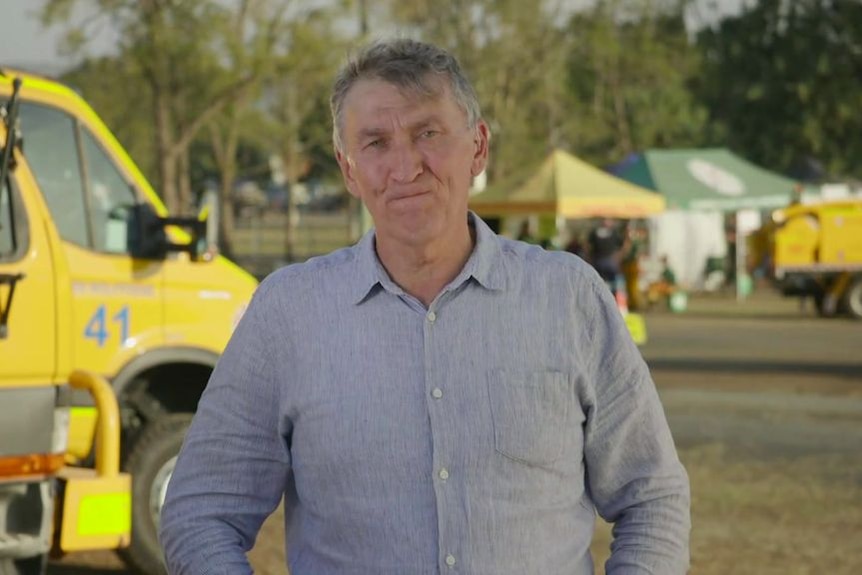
<point>788,517</point>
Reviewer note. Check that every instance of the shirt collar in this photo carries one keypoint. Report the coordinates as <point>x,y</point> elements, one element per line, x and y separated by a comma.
<point>366,273</point>
<point>485,264</point>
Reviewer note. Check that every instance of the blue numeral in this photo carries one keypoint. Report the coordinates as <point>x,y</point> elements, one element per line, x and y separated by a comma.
<point>122,316</point>
<point>97,326</point>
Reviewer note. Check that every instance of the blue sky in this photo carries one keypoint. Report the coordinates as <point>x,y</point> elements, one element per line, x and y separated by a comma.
<point>24,43</point>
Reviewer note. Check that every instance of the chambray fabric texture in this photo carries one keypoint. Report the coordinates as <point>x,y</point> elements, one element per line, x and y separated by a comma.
<point>478,436</point>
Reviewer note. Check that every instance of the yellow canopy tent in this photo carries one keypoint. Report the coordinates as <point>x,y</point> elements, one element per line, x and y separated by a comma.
<point>568,187</point>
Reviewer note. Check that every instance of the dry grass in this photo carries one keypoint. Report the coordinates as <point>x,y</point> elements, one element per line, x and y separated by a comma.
<point>770,516</point>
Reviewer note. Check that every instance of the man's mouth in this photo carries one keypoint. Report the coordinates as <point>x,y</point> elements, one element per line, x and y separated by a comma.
<point>399,196</point>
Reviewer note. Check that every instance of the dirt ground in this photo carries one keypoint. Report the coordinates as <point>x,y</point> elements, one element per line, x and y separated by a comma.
<point>765,403</point>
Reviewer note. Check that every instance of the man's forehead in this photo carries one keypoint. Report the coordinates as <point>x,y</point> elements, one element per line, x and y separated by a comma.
<point>379,95</point>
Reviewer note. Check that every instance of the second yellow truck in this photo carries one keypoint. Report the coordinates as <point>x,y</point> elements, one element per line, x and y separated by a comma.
<point>816,251</point>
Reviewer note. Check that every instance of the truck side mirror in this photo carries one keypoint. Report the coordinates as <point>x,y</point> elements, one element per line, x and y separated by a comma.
<point>148,239</point>
<point>146,233</point>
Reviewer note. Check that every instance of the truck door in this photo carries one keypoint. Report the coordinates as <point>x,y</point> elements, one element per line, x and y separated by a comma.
<point>116,300</point>
<point>27,295</point>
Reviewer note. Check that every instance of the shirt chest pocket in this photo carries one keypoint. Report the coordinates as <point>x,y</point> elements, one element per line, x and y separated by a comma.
<point>531,413</point>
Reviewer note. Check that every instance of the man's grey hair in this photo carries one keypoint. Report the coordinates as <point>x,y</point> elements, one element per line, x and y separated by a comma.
<point>407,64</point>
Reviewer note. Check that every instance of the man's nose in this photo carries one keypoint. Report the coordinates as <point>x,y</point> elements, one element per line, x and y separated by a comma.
<point>407,162</point>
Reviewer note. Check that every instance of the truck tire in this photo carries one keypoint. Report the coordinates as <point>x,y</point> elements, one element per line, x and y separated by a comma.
<point>852,300</point>
<point>150,462</point>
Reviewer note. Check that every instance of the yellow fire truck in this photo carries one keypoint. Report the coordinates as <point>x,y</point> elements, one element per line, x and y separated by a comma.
<point>816,251</point>
<point>94,276</point>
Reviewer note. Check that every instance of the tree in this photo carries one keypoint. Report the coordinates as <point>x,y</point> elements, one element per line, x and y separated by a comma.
<point>601,82</point>
<point>629,81</point>
<point>257,51</point>
<point>297,97</point>
<point>112,86</point>
<point>180,48</point>
<point>783,82</point>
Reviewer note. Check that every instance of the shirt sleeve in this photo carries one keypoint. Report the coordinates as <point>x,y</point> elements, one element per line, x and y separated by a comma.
<point>634,475</point>
<point>235,461</point>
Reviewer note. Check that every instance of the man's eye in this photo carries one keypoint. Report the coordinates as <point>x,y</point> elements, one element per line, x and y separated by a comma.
<point>375,144</point>
<point>429,134</point>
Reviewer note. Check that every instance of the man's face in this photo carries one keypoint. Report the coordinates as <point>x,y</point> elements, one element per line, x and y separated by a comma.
<point>410,159</point>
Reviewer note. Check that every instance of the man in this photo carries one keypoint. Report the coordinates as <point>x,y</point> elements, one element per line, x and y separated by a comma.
<point>606,242</point>
<point>524,233</point>
<point>435,399</point>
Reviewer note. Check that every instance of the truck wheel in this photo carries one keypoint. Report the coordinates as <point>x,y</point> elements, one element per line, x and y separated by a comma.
<point>852,300</point>
<point>150,462</point>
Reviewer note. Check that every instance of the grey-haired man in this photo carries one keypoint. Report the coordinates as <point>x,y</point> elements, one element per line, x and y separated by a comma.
<point>436,398</point>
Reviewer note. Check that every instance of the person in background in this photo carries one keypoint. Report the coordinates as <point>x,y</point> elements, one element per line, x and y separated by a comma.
<point>435,398</point>
<point>606,242</point>
<point>577,246</point>
<point>632,248</point>
<point>730,263</point>
<point>796,194</point>
<point>665,286</point>
<point>524,233</point>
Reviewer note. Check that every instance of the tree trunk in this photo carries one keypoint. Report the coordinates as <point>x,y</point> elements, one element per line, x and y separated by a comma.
<point>167,160</point>
<point>224,150</point>
<point>362,6</point>
<point>226,223</point>
<point>186,198</point>
<point>621,119</point>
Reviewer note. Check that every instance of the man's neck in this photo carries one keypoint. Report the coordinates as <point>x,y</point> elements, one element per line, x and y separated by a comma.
<point>424,270</point>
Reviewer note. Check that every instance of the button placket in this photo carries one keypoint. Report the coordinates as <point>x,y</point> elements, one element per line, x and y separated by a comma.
<point>440,457</point>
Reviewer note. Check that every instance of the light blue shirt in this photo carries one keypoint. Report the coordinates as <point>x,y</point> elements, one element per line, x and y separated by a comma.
<point>477,436</point>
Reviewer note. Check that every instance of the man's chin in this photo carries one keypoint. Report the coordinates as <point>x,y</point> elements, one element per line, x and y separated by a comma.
<point>413,229</point>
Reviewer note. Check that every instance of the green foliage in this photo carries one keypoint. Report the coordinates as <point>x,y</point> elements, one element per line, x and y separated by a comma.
<point>239,81</point>
<point>784,82</point>
<point>112,86</point>
<point>629,77</point>
<point>297,96</point>
<point>205,74</point>
<point>600,83</point>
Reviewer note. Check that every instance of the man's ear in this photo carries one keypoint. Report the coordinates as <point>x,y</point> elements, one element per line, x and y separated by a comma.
<point>481,138</point>
<point>346,172</point>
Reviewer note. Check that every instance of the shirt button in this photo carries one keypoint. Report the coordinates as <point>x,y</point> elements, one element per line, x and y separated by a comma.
<point>444,474</point>
<point>436,393</point>
<point>432,317</point>
<point>450,560</point>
